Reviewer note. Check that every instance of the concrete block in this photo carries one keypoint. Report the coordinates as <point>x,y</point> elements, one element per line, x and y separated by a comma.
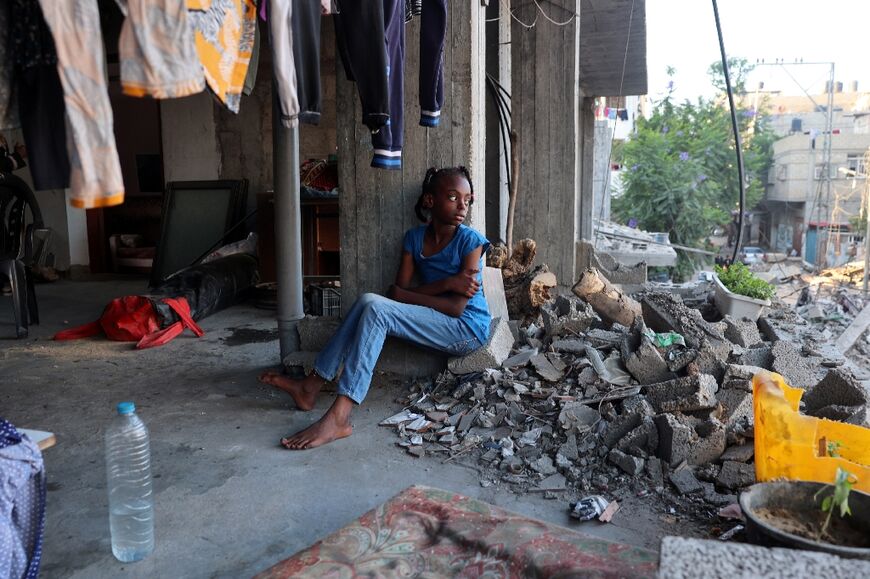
<point>740,453</point>
<point>760,357</point>
<point>742,332</point>
<point>568,315</point>
<point>491,355</point>
<point>600,338</point>
<point>637,405</point>
<point>615,272</point>
<point>789,362</point>
<point>684,481</point>
<point>737,411</point>
<point>686,438</point>
<point>632,465</point>
<point>493,292</point>
<point>666,312</point>
<point>643,360</point>
<point>861,417</point>
<point>633,412</point>
<point>683,558</point>
<point>683,394</point>
<point>739,377</point>
<point>570,345</point>
<point>736,475</point>
<point>654,470</point>
<point>776,330</point>
<point>838,387</point>
<point>712,363</point>
<point>642,441</point>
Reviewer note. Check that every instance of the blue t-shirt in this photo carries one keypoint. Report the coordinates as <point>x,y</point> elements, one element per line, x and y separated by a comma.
<point>448,262</point>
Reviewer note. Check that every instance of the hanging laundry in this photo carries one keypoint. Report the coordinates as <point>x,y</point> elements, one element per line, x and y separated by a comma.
<point>283,65</point>
<point>95,172</point>
<point>8,104</point>
<point>41,109</point>
<point>413,8</point>
<point>306,57</point>
<point>251,76</point>
<point>433,30</point>
<point>611,114</point>
<point>157,51</point>
<point>359,31</point>
<point>224,34</point>
<point>328,7</point>
<point>622,114</point>
<point>387,142</point>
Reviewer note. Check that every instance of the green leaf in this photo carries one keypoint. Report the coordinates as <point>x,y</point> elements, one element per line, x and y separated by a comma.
<point>827,502</point>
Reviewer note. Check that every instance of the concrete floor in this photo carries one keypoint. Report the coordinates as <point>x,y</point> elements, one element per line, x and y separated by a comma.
<point>229,500</point>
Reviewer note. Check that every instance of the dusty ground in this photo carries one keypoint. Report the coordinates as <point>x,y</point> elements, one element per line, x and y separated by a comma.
<point>229,500</point>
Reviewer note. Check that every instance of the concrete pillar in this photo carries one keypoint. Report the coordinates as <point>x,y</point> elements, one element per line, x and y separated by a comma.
<point>550,123</point>
<point>377,206</point>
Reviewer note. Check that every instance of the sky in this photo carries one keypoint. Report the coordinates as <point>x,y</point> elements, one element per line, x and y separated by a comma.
<point>682,34</point>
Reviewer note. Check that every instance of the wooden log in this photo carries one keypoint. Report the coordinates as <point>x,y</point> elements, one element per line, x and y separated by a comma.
<point>607,300</point>
<point>526,293</point>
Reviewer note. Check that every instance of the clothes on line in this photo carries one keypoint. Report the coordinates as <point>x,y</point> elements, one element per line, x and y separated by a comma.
<point>279,17</point>
<point>306,56</point>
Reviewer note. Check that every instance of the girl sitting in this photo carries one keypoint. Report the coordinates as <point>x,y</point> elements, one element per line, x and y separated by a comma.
<point>446,312</point>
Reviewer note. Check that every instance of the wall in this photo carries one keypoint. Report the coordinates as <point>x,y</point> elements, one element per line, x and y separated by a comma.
<point>601,185</point>
<point>190,147</point>
<point>377,206</point>
<point>549,117</point>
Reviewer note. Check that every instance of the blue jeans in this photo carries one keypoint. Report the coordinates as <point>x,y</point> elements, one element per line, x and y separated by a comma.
<point>360,338</point>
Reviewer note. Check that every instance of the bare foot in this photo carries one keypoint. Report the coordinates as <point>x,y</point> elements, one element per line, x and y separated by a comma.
<point>333,425</point>
<point>304,391</point>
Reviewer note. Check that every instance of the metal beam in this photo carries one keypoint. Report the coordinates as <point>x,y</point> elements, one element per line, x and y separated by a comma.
<point>288,230</point>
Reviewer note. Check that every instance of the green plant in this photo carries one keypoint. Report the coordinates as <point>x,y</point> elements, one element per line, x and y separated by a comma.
<point>843,483</point>
<point>739,280</point>
<point>834,448</point>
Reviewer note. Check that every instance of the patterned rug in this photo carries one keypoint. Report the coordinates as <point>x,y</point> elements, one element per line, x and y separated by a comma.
<point>426,532</point>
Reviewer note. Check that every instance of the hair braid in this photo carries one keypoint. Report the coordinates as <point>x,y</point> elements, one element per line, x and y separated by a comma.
<point>432,177</point>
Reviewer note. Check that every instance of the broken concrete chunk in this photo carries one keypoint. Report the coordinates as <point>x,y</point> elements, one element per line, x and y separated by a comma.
<point>683,394</point>
<point>602,338</point>
<point>521,358</point>
<point>644,361</point>
<point>543,465</point>
<point>491,355</point>
<point>630,464</point>
<point>642,441</point>
<point>736,408</point>
<point>789,362</point>
<point>742,332</point>
<point>403,416</point>
<point>666,312</point>
<point>739,377</point>
<point>654,470</point>
<point>545,369</point>
<point>714,498</point>
<point>577,417</point>
<point>740,453</point>
<point>571,346</point>
<point>569,448</point>
<point>686,438</point>
<point>679,358</point>
<point>684,481</point>
<point>736,475</point>
<point>838,387</point>
<point>554,482</point>
<point>760,357</point>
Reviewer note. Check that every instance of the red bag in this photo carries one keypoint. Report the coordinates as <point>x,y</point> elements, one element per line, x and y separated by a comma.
<point>133,319</point>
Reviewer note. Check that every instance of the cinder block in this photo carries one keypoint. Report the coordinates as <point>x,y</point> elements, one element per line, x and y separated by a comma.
<point>838,387</point>
<point>742,332</point>
<point>682,438</point>
<point>491,355</point>
<point>644,361</point>
<point>792,365</point>
<point>736,408</point>
<point>683,394</point>
<point>736,475</point>
<point>738,376</point>
<point>760,357</point>
<point>630,464</point>
<point>642,441</point>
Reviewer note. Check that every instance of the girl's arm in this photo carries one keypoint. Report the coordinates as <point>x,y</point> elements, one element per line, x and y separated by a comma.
<point>453,304</point>
<point>463,283</point>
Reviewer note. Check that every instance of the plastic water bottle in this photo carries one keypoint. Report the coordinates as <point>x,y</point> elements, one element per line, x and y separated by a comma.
<point>131,499</point>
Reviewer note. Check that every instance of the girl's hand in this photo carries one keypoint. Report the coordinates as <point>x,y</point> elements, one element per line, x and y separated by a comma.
<point>465,283</point>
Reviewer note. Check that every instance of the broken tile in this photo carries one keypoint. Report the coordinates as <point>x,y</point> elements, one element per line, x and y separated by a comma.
<point>545,369</point>
<point>403,416</point>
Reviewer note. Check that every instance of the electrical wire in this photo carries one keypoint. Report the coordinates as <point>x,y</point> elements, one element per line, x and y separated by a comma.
<point>736,128</point>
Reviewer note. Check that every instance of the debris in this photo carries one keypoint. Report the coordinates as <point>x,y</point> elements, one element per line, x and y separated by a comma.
<point>608,513</point>
<point>491,355</point>
<point>630,464</point>
<point>665,340</point>
<point>683,394</point>
<point>554,482</point>
<point>683,437</point>
<point>728,535</point>
<point>403,416</point>
<point>607,300</point>
<point>737,412</point>
<point>543,465</point>
<point>792,365</point>
<point>740,453</point>
<point>545,368</point>
<point>848,338</point>
<point>684,481</point>
<point>742,332</point>
<point>521,358</point>
<point>589,508</point>
<point>838,387</point>
<point>643,359</point>
<point>736,475</point>
<point>577,417</point>
<point>732,511</point>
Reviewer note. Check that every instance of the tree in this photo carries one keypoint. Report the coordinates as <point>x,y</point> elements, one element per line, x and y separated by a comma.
<point>681,172</point>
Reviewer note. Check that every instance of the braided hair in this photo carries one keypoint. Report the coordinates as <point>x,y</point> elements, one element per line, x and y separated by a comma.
<point>432,177</point>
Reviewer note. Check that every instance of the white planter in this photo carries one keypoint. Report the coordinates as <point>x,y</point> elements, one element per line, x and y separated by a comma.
<point>736,306</point>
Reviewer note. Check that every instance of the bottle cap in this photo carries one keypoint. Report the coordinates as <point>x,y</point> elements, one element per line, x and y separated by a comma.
<point>126,408</point>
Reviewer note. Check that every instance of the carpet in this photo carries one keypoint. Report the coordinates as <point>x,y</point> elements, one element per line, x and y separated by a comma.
<point>426,532</point>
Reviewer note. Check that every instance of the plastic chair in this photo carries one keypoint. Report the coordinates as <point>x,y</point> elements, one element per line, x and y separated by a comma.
<point>16,247</point>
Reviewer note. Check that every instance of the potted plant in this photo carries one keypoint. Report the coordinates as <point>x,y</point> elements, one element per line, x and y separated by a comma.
<point>739,293</point>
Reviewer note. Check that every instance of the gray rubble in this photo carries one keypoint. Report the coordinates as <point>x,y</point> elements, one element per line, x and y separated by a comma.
<point>574,406</point>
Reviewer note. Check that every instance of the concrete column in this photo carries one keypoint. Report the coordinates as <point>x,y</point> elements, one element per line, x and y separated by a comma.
<point>377,206</point>
<point>547,117</point>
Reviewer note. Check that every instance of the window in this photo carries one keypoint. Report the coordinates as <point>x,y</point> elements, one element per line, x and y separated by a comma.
<point>855,162</point>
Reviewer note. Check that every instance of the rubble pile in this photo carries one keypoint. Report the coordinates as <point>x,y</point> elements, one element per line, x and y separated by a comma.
<point>662,407</point>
